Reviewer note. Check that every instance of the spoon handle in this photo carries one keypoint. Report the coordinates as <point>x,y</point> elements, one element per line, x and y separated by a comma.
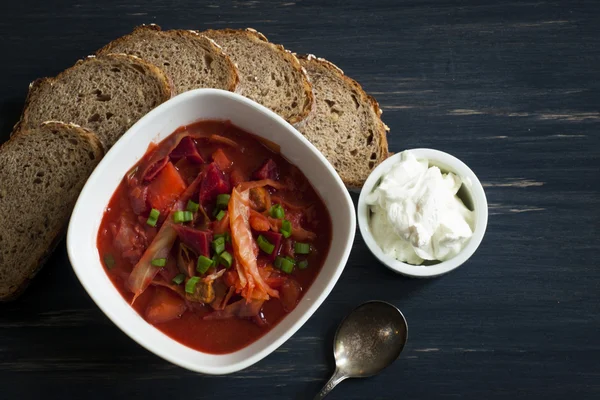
<point>336,378</point>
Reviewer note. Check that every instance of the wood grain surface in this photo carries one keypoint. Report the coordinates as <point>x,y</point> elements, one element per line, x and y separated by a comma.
<point>511,88</point>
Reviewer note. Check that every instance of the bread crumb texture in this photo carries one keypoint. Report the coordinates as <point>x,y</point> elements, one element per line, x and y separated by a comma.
<point>42,172</point>
<point>345,125</point>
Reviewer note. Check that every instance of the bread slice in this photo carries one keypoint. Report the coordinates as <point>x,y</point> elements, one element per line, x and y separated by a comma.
<point>269,74</point>
<point>106,94</point>
<point>345,125</point>
<point>191,60</point>
<point>42,171</point>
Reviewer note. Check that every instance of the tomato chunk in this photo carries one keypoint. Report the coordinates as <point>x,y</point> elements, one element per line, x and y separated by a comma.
<point>138,198</point>
<point>129,239</point>
<point>164,306</point>
<point>290,294</point>
<point>165,188</point>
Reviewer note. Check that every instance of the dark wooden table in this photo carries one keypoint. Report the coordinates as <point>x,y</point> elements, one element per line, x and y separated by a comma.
<point>512,89</point>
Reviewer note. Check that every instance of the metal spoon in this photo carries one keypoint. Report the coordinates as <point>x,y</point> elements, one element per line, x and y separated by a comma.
<point>369,339</point>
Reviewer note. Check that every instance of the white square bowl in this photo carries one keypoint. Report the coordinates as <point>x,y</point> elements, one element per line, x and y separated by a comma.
<point>185,109</point>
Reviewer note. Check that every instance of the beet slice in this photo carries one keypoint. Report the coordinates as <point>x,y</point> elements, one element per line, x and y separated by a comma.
<point>197,240</point>
<point>275,239</point>
<point>215,182</point>
<point>186,148</point>
<point>268,170</point>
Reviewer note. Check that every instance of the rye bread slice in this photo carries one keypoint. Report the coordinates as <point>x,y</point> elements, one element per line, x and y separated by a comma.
<point>191,60</point>
<point>345,125</point>
<point>42,171</point>
<point>269,74</point>
<point>106,94</point>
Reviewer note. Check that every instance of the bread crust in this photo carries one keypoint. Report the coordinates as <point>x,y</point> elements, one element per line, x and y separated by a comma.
<point>382,128</point>
<point>194,35</point>
<point>256,36</point>
<point>31,270</point>
<point>166,85</point>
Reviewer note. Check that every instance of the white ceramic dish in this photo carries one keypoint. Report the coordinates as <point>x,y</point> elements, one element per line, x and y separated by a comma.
<point>471,190</point>
<point>155,126</point>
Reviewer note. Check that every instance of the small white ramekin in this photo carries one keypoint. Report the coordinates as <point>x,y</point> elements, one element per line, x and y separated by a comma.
<point>474,191</point>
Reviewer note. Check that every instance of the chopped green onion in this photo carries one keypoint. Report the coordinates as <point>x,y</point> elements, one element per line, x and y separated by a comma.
<point>301,248</point>
<point>286,228</point>
<point>109,261</point>
<point>191,206</point>
<point>190,285</point>
<point>225,236</point>
<point>303,264</point>
<point>152,221</point>
<point>159,262</point>
<point>265,245</point>
<point>220,215</point>
<point>153,217</point>
<point>219,245</point>
<point>276,211</point>
<point>203,264</point>
<point>223,201</point>
<point>178,217</point>
<point>178,279</point>
<point>215,260</point>
<point>182,216</point>
<point>278,261</point>
<point>287,265</point>
<point>226,259</point>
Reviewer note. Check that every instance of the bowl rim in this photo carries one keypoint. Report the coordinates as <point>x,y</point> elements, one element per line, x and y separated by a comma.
<point>446,162</point>
<point>103,167</point>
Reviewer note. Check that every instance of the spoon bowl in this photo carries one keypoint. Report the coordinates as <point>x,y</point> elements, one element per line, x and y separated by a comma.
<point>369,339</point>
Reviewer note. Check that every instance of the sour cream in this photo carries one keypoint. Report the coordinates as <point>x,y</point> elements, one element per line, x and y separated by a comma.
<point>416,214</point>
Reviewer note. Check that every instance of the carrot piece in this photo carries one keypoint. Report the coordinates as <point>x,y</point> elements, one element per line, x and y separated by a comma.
<point>165,188</point>
<point>221,160</point>
<point>221,226</point>
<point>290,294</point>
<point>259,222</point>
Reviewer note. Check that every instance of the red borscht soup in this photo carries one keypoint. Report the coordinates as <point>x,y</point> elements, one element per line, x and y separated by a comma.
<point>213,236</point>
